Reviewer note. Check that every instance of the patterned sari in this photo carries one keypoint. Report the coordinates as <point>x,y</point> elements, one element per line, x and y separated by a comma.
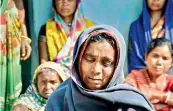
<point>10,68</point>
<point>158,30</point>
<point>140,79</point>
<point>61,39</point>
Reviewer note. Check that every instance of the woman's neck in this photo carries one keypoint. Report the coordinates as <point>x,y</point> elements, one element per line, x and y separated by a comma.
<point>151,77</point>
<point>68,20</point>
<point>155,17</point>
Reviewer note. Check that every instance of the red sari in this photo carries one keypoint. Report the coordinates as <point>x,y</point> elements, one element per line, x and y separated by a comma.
<point>140,79</point>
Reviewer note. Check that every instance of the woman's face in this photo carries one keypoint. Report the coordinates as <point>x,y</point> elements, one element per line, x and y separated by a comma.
<point>159,60</point>
<point>47,82</point>
<point>97,65</point>
<point>66,8</point>
<point>156,5</point>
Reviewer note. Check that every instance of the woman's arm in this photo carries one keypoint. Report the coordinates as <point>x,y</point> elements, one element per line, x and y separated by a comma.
<point>21,14</point>
<point>164,97</point>
<point>25,45</point>
<point>43,51</point>
<point>20,108</point>
<point>42,45</point>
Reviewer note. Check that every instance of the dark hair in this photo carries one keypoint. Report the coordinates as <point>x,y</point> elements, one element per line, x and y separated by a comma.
<point>160,42</point>
<point>103,37</point>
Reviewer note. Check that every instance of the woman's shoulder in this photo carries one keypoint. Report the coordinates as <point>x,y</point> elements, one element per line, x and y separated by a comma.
<point>43,27</point>
<point>43,30</point>
<point>136,22</point>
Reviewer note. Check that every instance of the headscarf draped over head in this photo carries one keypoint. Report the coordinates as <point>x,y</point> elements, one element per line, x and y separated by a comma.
<point>31,97</point>
<point>140,34</point>
<point>73,96</point>
<point>61,37</point>
<point>118,75</point>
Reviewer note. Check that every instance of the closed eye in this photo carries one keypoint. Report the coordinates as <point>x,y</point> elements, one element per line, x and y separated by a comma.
<point>107,62</point>
<point>89,58</point>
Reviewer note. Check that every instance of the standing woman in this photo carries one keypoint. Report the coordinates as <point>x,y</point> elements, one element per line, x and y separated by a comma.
<point>14,46</point>
<point>156,21</point>
<point>58,36</point>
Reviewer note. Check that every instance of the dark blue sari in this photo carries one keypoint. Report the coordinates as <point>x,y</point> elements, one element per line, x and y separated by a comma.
<point>140,35</point>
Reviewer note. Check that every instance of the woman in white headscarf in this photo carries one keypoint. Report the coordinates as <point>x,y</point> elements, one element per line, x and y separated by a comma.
<point>47,77</point>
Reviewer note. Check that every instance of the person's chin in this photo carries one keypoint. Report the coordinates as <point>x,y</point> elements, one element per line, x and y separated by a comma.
<point>159,73</point>
<point>46,96</point>
<point>94,86</point>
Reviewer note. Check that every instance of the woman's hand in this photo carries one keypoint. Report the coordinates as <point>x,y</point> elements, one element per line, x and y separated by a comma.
<point>25,50</point>
<point>146,92</point>
<point>161,82</point>
<point>151,93</point>
<point>160,106</point>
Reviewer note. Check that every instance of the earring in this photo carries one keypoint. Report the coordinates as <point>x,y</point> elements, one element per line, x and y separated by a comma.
<point>145,62</point>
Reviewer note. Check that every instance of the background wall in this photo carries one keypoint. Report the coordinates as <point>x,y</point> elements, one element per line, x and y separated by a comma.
<point>118,13</point>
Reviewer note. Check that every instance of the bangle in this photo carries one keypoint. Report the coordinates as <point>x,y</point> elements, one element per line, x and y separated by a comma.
<point>168,96</point>
<point>25,38</point>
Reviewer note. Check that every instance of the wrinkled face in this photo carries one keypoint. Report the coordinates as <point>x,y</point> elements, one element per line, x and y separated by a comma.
<point>156,5</point>
<point>97,65</point>
<point>47,82</point>
<point>66,8</point>
<point>158,60</point>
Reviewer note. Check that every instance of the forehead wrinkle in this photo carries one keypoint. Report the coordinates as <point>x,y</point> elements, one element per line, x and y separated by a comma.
<point>89,54</point>
<point>47,75</point>
<point>98,50</point>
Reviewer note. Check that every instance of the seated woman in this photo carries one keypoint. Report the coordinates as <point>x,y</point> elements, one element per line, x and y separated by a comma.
<point>47,77</point>
<point>58,36</point>
<point>156,21</point>
<point>96,72</point>
<point>152,81</point>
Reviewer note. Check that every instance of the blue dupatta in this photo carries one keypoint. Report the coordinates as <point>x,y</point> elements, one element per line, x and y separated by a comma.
<point>140,35</point>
